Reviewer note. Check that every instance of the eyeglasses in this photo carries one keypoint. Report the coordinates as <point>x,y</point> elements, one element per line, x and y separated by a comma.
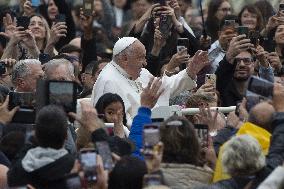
<point>225,9</point>
<point>246,61</point>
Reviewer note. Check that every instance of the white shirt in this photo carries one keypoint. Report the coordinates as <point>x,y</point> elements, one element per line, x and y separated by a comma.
<point>113,79</point>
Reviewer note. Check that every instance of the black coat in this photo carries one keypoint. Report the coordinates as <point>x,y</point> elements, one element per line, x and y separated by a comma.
<point>48,176</point>
<point>225,84</point>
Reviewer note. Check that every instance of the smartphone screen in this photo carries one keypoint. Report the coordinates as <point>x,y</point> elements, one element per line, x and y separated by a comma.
<point>35,3</point>
<point>182,43</point>
<point>254,36</point>
<point>88,7</point>
<point>22,99</point>
<point>243,30</point>
<point>63,93</point>
<point>151,135</point>
<point>88,160</point>
<point>165,25</point>
<point>105,153</point>
<point>202,134</point>
<point>73,181</point>
<point>260,87</point>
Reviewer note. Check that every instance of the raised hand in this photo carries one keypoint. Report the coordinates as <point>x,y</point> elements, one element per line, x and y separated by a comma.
<point>57,31</point>
<point>199,61</point>
<point>28,9</point>
<point>237,45</point>
<point>9,25</point>
<point>89,117</point>
<point>151,93</point>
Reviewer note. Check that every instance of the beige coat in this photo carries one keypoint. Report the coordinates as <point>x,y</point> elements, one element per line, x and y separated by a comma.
<point>186,176</point>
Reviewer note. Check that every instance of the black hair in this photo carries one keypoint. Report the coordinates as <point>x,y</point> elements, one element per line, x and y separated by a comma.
<point>51,127</point>
<point>127,174</point>
<point>106,100</point>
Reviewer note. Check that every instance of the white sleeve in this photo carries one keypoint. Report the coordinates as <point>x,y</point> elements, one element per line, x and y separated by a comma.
<point>178,83</point>
<point>186,26</point>
<point>274,180</point>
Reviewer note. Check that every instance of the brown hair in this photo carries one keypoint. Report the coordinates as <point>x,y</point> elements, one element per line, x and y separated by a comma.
<point>181,144</point>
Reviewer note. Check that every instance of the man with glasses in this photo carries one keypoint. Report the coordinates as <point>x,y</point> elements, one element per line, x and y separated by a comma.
<point>235,69</point>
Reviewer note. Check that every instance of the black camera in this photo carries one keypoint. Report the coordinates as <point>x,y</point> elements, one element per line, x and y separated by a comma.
<point>165,25</point>
<point>2,68</point>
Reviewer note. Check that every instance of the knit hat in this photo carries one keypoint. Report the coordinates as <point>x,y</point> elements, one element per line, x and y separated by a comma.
<point>122,44</point>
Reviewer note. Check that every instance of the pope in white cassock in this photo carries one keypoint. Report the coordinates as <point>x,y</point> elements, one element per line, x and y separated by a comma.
<point>125,76</point>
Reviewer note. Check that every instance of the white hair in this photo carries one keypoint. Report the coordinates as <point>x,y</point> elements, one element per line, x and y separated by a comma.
<point>22,69</point>
<point>242,155</point>
<point>54,63</point>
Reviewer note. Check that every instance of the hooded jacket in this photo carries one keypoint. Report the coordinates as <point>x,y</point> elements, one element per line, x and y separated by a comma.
<point>42,168</point>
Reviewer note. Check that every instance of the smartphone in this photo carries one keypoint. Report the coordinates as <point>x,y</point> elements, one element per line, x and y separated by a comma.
<point>151,135</point>
<point>211,78</point>
<point>105,153</point>
<point>60,18</point>
<point>230,24</point>
<point>243,30</point>
<point>254,37</point>
<point>252,100</point>
<point>182,43</point>
<point>269,45</point>
<point>260,87</point>
<point>22,99</point>
<point>165,25</point>
<point>88,161</point>
<point>73,181</point>
<point>202,134</point>
<point>23,21</point>
<point>151,180</point>
<point>35,3</point>
<point>88,7</point>
<point>63,93</point>
<point>2,68</point>
<point>281,7</point>
<point>162,2</point>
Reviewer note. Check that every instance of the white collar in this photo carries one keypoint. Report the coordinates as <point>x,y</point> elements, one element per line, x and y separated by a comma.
<point>120,70</point>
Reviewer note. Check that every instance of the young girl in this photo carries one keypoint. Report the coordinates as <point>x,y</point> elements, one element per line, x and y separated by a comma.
<point>112,107</point>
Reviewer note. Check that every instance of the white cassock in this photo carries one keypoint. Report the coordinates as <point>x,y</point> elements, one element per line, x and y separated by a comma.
<point>113,79</point>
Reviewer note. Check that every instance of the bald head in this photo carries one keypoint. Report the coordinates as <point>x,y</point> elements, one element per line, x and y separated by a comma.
<point>261,115</point>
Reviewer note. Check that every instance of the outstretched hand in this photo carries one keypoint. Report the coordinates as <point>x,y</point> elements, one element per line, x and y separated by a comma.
<point>151,93</point>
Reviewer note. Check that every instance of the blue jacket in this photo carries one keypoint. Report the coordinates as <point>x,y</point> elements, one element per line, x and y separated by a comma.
<point>136,132</point>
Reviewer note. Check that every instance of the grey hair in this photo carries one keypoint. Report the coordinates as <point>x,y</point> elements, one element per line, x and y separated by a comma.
<point>22,70</point>
<point>54,63</point>
<point>242,156</point>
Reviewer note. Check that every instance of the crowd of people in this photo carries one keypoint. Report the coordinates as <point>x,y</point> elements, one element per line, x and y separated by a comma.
<point>79,83</point>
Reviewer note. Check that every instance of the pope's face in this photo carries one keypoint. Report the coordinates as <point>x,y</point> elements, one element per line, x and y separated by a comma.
<point>136,60</point>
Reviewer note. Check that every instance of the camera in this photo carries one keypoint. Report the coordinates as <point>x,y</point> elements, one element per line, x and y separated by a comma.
<point>88,160</point>
<point>2,68</point>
